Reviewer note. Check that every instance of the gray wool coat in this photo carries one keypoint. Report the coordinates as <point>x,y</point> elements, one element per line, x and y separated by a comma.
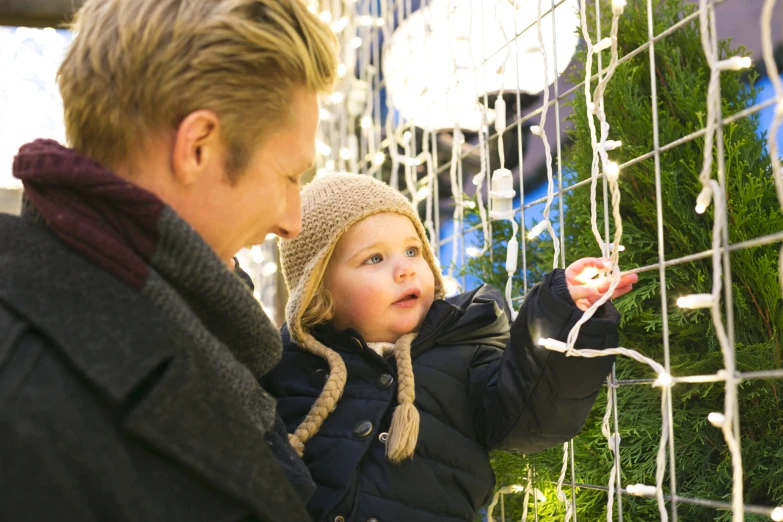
<point>105,411</point>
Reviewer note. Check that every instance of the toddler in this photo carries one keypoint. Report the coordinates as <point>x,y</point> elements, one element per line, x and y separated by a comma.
<point>394,395</point>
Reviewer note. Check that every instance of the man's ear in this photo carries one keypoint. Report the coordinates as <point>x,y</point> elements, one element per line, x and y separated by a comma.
<point>197,146</point>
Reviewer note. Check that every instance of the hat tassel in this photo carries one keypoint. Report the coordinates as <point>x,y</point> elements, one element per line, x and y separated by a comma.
<point>404,430</point>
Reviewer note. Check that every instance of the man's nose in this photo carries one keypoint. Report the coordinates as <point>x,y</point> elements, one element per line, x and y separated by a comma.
<point>290,224</point>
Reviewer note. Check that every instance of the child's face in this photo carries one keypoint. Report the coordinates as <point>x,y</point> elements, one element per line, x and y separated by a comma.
<point>379,280</point>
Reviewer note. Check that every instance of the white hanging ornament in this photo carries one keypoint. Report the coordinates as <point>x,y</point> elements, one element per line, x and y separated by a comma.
<point>431,78</point>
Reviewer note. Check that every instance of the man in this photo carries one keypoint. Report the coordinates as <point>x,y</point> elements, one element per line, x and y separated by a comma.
<point>129,350</point>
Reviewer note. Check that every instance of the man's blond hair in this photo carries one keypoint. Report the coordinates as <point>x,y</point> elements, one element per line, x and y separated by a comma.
<point>138,67</point>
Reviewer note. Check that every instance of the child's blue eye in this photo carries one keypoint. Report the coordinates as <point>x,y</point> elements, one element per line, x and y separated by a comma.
<point>412,252</point>
<point>374,260</point>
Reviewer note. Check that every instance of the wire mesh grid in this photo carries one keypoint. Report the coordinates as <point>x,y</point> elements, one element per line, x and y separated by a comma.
<point>369,129</point>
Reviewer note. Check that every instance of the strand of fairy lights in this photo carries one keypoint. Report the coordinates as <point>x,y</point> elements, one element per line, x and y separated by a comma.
<point>478,179</point>
<point>540,131</point>
<point>611,173</point>
<point>502,184</point>
<point>713,190</point>
<point>529,491</point>
<point>774,76</point>
<point>455,171</point>
<point>663,380</point>
<point>710,300</point>
<point>725,420</point>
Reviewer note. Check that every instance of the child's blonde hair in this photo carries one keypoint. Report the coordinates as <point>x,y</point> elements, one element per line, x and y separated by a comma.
<point>138,67</point>
<point>320,309</point>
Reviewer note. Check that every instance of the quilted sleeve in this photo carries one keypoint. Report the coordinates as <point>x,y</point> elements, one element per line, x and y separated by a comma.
<point>527,398</point>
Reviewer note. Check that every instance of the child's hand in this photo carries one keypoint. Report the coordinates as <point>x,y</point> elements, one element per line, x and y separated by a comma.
<point>585,290</point>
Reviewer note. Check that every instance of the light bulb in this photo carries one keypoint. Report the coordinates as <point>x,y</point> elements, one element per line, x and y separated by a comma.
<point>323,114</point>
<point>379,158</point>
<point>540,497</point>
<point>257,254</point>
<point>356,42</point>
<point>536,230</point>
<point>611,248</point>
<point>735,63</point>
<point>326,17</point>
<point>612,171</point>
<point>337,97</point>
<point>366,122</point>
<point>716,419</point>
<point>535,130</point>
<point>777,514</point>
<point>380,22</point>
<point>406,137</point>
<point>322,148</point>
<point>694,301</point>
<point>641,490</point>
<point>345,153</point>
<point>612,144</point>
<point>365,21</point>
<point>703,200</point>
<point>320,173</point>
<point>602,45</point>
<point>341,70</point>
<point>473,251</point>
<point>664,380</point>
<point>587,274</point>
<point>330,165</point>
<point>500,114</point>
<point>422,193</point>
<point>553,344</point>
<point>340,25</point>
<point>618,6</point>
<point>451,285</point>
<point>512,253</point>
<point>269,269</point>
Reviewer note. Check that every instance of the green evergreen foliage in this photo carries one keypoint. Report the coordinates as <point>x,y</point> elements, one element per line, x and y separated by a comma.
<point>703,468</point>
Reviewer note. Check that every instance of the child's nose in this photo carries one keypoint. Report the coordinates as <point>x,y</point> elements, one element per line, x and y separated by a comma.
<point>405,270</point>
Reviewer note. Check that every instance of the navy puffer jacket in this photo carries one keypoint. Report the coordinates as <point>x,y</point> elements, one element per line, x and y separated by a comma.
<point>481,384</point>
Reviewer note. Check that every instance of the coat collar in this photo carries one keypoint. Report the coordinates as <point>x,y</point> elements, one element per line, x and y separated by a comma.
<point>137,359</point>
<point>478,316</point>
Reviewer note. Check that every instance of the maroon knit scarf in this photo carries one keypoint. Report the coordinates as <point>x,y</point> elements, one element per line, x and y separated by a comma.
<point>105,218</point>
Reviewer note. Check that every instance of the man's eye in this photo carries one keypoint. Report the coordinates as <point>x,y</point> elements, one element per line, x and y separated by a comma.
<point>374,260</point>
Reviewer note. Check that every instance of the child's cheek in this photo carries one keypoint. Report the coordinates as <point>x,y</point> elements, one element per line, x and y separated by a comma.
<point>365,303</point>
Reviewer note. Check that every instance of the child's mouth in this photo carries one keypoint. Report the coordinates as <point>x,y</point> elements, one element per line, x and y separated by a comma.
<point>408,300</point>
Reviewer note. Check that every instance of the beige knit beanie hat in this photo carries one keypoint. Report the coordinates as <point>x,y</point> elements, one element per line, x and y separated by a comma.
<point>331,205</point>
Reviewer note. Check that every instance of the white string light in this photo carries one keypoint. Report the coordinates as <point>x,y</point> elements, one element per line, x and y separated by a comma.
<point>708,35</point>
<point>594,105</point>
<point>545,224</point>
